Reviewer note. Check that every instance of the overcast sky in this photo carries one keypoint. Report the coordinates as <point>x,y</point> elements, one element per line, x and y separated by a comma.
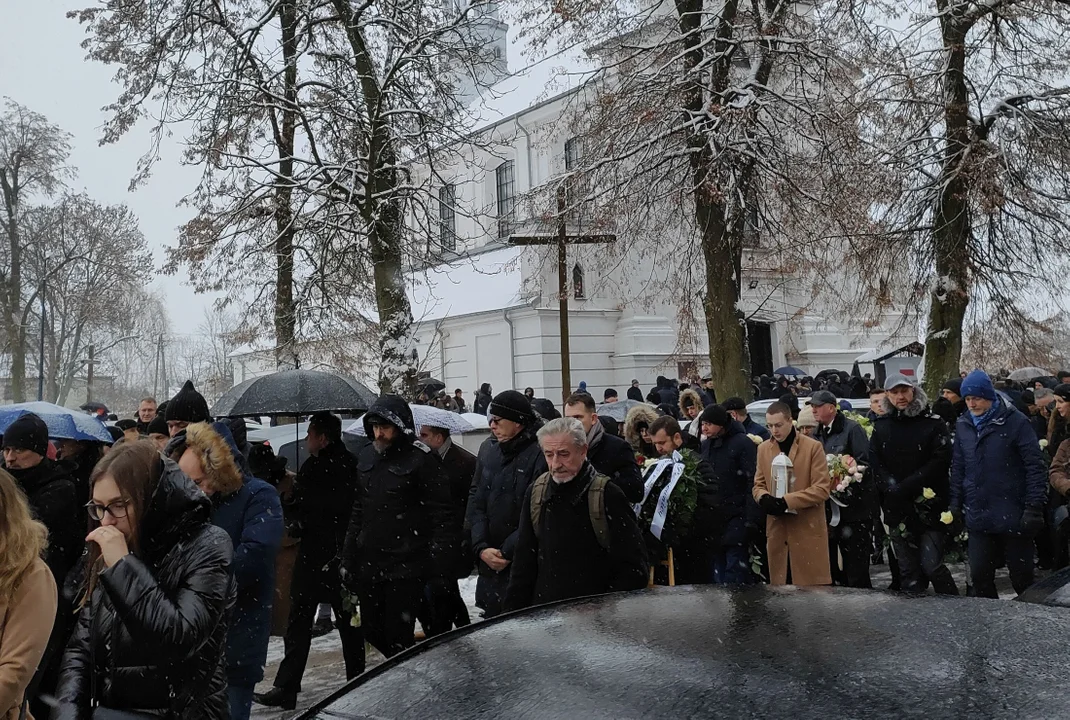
<point>42,66</point>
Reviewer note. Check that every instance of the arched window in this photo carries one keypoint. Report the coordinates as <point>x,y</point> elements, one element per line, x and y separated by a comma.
<point>577,282</point>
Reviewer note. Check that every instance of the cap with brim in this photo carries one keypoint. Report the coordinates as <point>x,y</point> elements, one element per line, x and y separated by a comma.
<point>898,380</point>
<point>823,397</point>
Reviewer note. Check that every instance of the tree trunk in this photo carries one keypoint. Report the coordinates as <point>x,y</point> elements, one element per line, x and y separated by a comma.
<point>285,315</point>
<point>722,257</point>
<point>381,210</point>
<point>951,222</point>
<point>16,336</point>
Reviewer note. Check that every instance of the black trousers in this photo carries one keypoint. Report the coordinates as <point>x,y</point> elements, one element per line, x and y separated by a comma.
<point>388,612</point>
<point>984,550</point>
<point>854,544</point>
<point>310,587</point>
<point>442,608</point>
<point>921,560</point>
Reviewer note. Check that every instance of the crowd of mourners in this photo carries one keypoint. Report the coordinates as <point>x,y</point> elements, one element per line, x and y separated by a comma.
<point>146,576</point>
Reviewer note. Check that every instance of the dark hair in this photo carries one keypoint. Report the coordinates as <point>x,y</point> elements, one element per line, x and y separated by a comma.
<point>264,465</point>
<point>581,398</point>
<point>435,429</point>
<point>779,408</point>
<point>458,390</point>
<point>136,468</point>
<point>610,392</point>
<point>876,391</point>
<point>666,423</point>
<point>324,423</point>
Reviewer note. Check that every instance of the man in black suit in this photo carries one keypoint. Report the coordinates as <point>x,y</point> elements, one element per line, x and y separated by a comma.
<point>443,608</point>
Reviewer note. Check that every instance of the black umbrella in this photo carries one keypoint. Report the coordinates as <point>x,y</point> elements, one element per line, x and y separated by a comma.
<point>94,408</point>
<point>430,385</point>
<point>294,392</point>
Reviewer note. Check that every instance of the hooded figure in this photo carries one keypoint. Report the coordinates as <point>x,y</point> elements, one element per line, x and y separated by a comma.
<point>250,512</point>
<point>507,463</point>
<point>400,535</point>
<point>483,398</point>
<point>636,424</point>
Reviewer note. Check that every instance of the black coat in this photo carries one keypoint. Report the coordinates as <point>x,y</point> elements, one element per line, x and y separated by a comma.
<point>322,503</point>
<point>847,437</point>
<point>613,457</point>
<point>53,499</point>
<point>459,467</point>
<point>566,560</point>
<point>401,527</point>
<point>155,627</point>
<point>733,457</point>
<point>482,402</point>
<point>503,473</point>
<point>911,450</point>
<point>635,393</point>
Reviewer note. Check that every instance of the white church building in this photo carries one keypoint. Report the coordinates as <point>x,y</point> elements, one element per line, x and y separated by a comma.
<point>489,313</point>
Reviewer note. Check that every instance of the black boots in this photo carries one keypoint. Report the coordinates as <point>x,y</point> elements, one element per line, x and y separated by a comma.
<point>277,697</point>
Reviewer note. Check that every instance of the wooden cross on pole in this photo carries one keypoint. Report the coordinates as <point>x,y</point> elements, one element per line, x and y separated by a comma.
<point>562,239</point>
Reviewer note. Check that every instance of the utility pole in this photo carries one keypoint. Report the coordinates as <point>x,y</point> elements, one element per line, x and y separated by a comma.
<point>90,366</point>
<point>562,239</point>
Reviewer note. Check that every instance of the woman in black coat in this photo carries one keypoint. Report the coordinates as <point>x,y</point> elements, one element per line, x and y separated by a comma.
<point>151,632</point>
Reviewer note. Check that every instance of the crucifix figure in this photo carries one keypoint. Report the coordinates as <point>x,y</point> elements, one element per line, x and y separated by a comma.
<point>562,239</point>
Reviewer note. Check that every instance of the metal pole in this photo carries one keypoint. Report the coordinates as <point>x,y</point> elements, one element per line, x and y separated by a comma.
<point>562,288</point>
<point>41,351</point>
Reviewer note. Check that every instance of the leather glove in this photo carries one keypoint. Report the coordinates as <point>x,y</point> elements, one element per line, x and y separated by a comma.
<point>1032,520</point>
<point>773,505</point>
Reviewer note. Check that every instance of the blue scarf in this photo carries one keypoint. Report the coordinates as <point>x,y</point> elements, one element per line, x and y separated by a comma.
<point>979,421</point>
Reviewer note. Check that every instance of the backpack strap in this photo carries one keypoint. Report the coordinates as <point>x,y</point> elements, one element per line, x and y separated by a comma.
<point>539,490</point>
<point>596,506</point>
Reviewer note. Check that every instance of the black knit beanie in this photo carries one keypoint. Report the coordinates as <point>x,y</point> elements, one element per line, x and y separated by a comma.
<point>28,432</point>
<point>188,406</point>
<point>715,415</point>
<point>512,405</point>
<point>1062,391</point>
<point>158,426</point>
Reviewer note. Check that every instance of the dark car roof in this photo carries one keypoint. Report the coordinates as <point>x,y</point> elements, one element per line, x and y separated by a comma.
<point>706,652</point>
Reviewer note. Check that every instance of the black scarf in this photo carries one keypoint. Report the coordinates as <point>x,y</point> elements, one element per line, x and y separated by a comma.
<point>785,447</point>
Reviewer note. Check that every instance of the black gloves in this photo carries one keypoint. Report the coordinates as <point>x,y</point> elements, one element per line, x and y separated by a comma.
<point>773,505</point>
<point>1032,520</point>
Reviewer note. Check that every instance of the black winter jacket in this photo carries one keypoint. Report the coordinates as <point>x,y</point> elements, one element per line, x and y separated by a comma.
<point>613,457</point>
<point>911,450</point>
<point>401,527</point>
<point>322,503</point>
<point>503,473</point>
<point>459,467</point>
<point>154,631</point>
<point>733,457</point>
<point>565,560</point>
<point>847,437</point>
<point>54,501</point>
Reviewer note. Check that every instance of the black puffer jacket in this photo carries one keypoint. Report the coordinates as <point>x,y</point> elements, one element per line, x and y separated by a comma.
<point>613,457</point>
<point>401,527</point>
<point>54,501</point>
<point>503,473</point>
<point>733,456</point>
<point>155,628</point>
<point>911,450</point>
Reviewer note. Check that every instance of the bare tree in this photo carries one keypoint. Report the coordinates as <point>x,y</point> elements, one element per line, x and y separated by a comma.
<point>970,106</point>
<point>304,115</point>
<point>711,133</point>
<point>33,161</point>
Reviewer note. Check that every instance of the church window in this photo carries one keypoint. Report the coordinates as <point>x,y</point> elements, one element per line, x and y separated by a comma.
<point>577,282</point>
<point>505,185</point>
<point>447,217</point>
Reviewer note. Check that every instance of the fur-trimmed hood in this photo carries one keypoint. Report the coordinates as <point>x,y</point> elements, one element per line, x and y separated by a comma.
<point>215,447</point>
<point>695,399</point>
<point>919,406</point>
<point>639,414</point>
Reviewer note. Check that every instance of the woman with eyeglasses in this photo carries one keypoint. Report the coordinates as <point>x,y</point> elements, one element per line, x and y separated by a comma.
<point>27,598</point>
<point>151,630</point>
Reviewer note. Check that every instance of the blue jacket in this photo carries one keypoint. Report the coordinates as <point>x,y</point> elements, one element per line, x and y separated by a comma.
<point>996,474</point>
<point>733,457</point>
<point>252,517</point>
<point>755,429</point>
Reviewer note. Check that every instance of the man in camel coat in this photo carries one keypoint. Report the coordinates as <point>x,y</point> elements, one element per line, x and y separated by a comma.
<point>795,526</point>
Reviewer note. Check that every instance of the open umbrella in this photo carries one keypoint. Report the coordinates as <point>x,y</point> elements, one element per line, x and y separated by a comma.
<point>294,392</point>
<point>62,423</point>
<point>1028,373</point>
<point>430,385</point>
<point>478,421</point>
<point>789,370</point>
<point>619,410</point>
<point>425,415</point>
<point>94,408</point>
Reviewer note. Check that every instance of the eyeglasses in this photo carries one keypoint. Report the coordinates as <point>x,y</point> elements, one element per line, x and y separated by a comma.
<point>116,509</point>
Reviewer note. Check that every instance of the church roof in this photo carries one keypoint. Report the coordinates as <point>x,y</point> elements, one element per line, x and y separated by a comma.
<point>471,284</point>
